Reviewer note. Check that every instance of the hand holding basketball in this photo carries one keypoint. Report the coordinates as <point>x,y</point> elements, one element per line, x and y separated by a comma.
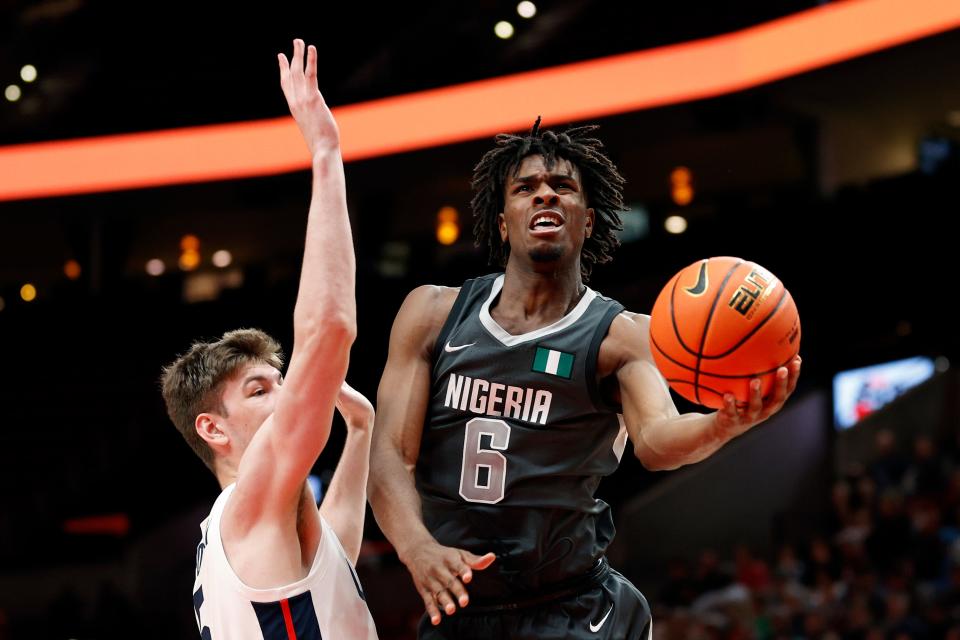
<point>727,327</point>
<point>734,420</point>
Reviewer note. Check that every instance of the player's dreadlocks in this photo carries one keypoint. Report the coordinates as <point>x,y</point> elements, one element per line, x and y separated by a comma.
<point>602,184</point>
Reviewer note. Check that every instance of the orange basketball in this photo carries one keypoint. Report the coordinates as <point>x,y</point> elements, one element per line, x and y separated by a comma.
<point>718,324</point>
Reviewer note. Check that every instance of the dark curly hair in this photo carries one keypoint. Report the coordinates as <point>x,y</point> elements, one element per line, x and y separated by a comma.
<point>602,184</point>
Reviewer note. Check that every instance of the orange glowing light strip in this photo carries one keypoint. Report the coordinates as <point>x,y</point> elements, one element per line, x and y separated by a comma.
<point>115,524</point>
<point>617,84</point>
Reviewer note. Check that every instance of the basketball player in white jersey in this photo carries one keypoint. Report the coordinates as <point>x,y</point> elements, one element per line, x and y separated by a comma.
<point>269,564</point>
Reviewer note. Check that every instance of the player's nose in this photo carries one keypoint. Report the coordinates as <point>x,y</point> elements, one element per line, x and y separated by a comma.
<point>545,195</point>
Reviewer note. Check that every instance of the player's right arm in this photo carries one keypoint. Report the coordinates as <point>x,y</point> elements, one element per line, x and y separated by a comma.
<point>278,459</point>
<point>438,572</point>
<point>662,437</point>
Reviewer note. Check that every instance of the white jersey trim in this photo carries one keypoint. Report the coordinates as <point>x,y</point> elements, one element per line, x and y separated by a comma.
<point>317,569</point>
<point>510,340</point>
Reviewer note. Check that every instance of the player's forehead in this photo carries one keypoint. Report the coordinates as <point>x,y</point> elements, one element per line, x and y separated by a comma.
<point>254,372</point>
<point>536,166</point>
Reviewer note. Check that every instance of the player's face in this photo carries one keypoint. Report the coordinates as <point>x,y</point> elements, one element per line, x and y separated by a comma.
<point>545,215</point>
<point>249,398</point>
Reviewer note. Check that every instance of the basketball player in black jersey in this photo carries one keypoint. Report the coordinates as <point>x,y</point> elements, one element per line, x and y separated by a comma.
<point>504,402</point>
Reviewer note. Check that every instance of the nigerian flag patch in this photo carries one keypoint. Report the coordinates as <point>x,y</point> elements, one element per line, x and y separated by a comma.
<point>556,363</point>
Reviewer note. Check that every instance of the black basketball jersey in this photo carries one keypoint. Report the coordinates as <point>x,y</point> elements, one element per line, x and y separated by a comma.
<point>516,440</point>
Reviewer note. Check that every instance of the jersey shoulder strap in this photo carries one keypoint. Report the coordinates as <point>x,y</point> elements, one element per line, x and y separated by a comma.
<point>459,310</point>
<point>612,310</point>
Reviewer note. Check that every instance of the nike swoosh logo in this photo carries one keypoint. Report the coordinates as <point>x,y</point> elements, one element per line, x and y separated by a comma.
<point>701,285</point>
<point>596,627</point>
<point>450,349</point>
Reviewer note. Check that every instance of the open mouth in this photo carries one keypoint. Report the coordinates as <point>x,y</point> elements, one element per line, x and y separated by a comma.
<point>547,220</point>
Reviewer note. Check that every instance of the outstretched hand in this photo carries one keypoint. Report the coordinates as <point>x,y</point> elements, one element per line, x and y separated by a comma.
<point>298,79</point>
<point>734,419</point>
<point>439,574</point>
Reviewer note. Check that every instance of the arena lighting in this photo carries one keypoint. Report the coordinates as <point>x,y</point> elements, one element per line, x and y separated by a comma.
<point>114,524</point>
<point>28,293</point>
<point>156,267</point>
<point>672,74</point>
<point>448,225</point>
<point>675,224</point>
<point>190,242</point>
<point>527,9</point>
<point>503,29</point>
<point>28,73</point>
<point>681,186</point>
<point>72,269</point>
<point>222,258</point>
<point>189,260</point>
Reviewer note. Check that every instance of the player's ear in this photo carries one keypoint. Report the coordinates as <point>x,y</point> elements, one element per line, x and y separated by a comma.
<point>589,223</point>
<point>502,224</point>
<point>210,430</point>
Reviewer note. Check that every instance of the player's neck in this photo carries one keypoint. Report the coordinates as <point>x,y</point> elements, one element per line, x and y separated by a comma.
<point>226,473</point>
<point>531,297</point>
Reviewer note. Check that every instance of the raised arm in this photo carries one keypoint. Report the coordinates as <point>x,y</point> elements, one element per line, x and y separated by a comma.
<point>438,572</point>
<point>276,463</point>
<point>662,438</point>
<point>345,502</point>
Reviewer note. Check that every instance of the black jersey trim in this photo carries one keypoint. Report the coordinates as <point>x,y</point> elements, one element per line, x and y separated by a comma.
<point>603,326</point>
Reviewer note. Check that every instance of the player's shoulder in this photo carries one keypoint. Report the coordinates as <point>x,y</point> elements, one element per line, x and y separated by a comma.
<point>440,299</point>
<point>430,294</point>
<point>627,340</point>
<point>430,301</point>
<point>631,326</point>
<point>639,320</point>
<point>421,318</point>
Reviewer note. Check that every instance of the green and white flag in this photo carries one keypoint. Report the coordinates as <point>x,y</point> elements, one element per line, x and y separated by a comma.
<point>556,363</point>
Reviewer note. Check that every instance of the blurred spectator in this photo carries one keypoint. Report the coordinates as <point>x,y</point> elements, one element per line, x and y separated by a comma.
<point>679,589</point>
<point>889,464</point>
<point>889,540</point>
<point>924,476</point>
<point>886,567</point>
<point>751,572</point>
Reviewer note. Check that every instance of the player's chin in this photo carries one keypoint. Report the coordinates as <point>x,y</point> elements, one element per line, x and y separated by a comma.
<point>547,253</point>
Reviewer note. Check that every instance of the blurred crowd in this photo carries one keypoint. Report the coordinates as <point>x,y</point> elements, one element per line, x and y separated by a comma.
<point>885,566</point>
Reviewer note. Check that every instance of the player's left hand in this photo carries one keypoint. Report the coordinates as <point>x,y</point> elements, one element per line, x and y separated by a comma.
<point>439,574</point>
<point>356,410</point>
<point>735,419</point>
<point>298,79</point>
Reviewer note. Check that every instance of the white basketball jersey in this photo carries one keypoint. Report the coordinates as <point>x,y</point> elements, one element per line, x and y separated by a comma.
<point>328,603</point>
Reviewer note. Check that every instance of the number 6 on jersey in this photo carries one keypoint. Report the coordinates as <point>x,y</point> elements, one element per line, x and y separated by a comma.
<point>483,475</point>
